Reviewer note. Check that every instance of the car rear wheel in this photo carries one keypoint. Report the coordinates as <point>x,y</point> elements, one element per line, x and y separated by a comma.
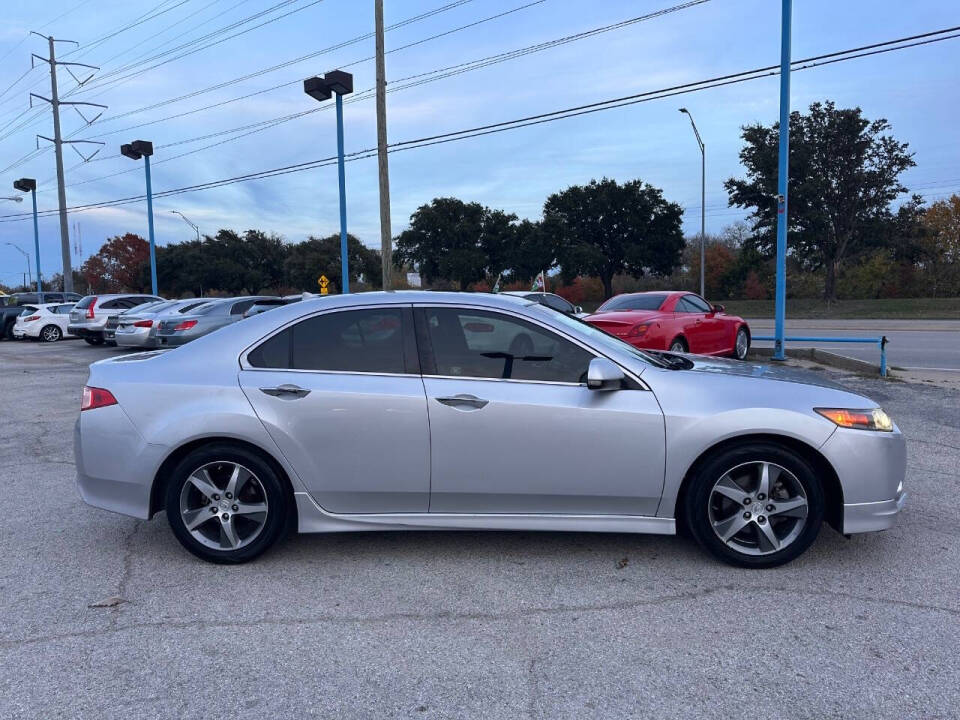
<point>679,345</point>
<point>50,333</point>
<point>226,504</point>
<point>758,505</point>
<point>8,332</point>
<point>742,344</point>
<point>93,341</point>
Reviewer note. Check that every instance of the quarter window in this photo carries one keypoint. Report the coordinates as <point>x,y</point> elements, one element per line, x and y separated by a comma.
<point>481,344</point>
<point>693,304</point>
<point>350,341</point>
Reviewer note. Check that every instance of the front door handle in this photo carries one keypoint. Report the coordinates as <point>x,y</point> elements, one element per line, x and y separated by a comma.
<point>286,391</point>
<point>463,402</point>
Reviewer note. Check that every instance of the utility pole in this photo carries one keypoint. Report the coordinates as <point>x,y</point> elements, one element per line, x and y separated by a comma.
<point>58,143</point>
<point>386,236</point>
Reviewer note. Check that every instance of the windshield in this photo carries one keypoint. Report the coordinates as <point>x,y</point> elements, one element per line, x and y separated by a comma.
<point>605,340</point>
<point>634,302</point>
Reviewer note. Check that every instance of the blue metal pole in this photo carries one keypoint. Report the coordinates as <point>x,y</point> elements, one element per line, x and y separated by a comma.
<point>344,270</point>
<point>36,239</point>
<point>153,251</point>
<point>783,180</point>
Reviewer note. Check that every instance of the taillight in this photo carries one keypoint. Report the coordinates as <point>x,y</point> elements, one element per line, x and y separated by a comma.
<point>94,398</point>
<point>638,330</point>
<point>143,323</point>
<point>185,325</point>
<point>93,302</point>
<point>31,318</point>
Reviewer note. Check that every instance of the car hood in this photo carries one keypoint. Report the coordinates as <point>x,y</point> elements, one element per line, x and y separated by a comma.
<point>764,371</point>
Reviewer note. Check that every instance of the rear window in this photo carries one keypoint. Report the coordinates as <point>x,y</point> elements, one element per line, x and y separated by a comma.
<point>634,302</point>
<point>86,302</point>
<point>27,310</point>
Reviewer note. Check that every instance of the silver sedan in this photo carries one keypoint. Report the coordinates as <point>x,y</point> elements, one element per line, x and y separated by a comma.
<point>415,410</point>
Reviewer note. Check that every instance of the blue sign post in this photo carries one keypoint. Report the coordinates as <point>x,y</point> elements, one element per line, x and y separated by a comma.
<point>783,181</point>
<point>30,185</point>
<point>135,151</point>
<point>344,270</point>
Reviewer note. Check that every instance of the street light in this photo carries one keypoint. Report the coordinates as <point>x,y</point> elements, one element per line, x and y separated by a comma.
<point>13,198</point>
<point>703,197</point>
<point>26,256</point>
<point>320,88</point>
<point>136,150</point>
<point>30,185</point>
<point>197,230</point>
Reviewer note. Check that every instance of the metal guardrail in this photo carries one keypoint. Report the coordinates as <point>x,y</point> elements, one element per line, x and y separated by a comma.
<point>880,342</point>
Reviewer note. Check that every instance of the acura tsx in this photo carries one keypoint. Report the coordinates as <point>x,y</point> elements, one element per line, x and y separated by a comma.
<point>423,410</point>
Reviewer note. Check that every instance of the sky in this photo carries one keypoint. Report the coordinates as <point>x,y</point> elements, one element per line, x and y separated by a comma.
<point>138,44</point>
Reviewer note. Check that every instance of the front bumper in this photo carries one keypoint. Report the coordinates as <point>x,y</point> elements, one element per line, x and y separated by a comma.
<point>872,468</point>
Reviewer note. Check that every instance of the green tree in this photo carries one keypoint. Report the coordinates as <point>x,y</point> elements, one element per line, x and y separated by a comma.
<point>308,260</point>
<point>844,173</point>
<point>533,250</point>
<point>452,240</point>
<point>604,228</point>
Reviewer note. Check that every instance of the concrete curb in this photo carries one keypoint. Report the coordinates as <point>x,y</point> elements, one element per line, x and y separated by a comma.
<point>823,357</point>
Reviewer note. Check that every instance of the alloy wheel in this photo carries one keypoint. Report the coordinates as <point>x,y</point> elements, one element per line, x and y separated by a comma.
<point>743,344</point>
<point>758,508</point>
<point>51,333</point>
<point>223,505</point>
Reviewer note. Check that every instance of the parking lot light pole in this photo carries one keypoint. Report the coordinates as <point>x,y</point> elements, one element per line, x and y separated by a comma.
<point>26,256</point>
<point>30,185</point>
<point>136,150</point>
<point>703,199</point>
<point>337,83</point>
<point>783,181</point>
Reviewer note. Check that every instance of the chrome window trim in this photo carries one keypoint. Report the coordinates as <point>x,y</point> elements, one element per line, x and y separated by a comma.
<point>245,365</point>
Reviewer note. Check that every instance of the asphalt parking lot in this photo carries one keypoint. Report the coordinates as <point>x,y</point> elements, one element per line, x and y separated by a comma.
<point>463,625</point>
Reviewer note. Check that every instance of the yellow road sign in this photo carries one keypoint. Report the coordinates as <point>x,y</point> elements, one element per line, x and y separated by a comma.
<point>324,284</point>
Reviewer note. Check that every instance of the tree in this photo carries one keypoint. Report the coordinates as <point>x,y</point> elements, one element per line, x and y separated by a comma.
<point>534,250</point>
<point>844,173</point>
<point>939,245</point>
<point>118,265</point>
<point>452,240</point>
<point>307,261</point>
<point>605,228</point>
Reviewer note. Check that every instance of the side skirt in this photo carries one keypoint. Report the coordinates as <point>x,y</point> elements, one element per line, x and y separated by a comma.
<point>314,519</point>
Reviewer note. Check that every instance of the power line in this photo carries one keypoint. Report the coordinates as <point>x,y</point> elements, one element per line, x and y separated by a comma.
<point>504,126</point>
<point>420,78</point>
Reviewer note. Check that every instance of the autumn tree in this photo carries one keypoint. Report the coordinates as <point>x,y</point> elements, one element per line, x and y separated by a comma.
<point>939,245</point>
<point>119,265</point>
<point>844,173</point>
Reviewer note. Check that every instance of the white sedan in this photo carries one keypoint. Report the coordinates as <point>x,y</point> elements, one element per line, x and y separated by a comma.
<point>46,322</point>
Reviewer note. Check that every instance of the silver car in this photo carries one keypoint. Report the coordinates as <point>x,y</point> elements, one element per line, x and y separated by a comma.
<point>212,315</point>
<point>137,328</point>
<point>382,411</point>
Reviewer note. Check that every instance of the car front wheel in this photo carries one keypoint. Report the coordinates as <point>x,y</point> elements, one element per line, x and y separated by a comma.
<point>226,504</point>
<point>757,505</point>
<point>742,344</point>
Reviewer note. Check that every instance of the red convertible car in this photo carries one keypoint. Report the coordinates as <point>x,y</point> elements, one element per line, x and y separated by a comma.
<point>676,321</point>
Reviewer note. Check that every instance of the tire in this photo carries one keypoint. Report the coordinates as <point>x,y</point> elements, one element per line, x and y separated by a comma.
<point>50,333</point>
<point>252,532</point>
<point>741,345</point>
<point>93,341</point>
<point>708,510</point>
<point>8,332</point>
<point>678,344</point>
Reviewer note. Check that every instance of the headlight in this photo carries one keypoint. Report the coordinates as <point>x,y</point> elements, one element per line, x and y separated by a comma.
<point>875,419</point>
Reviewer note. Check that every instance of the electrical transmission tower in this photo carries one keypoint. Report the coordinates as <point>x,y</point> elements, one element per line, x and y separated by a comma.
<point>59,142</point>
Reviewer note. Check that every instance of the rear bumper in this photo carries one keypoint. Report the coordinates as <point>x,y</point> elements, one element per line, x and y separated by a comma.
<point>115,465</point>
<point>135,340</point>
<point>83,331</point>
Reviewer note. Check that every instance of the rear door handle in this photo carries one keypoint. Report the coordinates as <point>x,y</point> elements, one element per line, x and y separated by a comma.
<point>463,402</point>
<point>286,391</point>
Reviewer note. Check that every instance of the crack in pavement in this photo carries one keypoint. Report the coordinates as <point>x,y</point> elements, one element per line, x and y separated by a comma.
<point>459,617</point>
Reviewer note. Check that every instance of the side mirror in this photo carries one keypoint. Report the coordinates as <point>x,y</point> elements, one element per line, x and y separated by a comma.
<point>577,310</point>
<point>718,308</point>
<point>604,375</point>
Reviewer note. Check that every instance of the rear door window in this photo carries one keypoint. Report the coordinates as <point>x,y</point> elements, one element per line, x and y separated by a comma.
<point>375,340</point>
